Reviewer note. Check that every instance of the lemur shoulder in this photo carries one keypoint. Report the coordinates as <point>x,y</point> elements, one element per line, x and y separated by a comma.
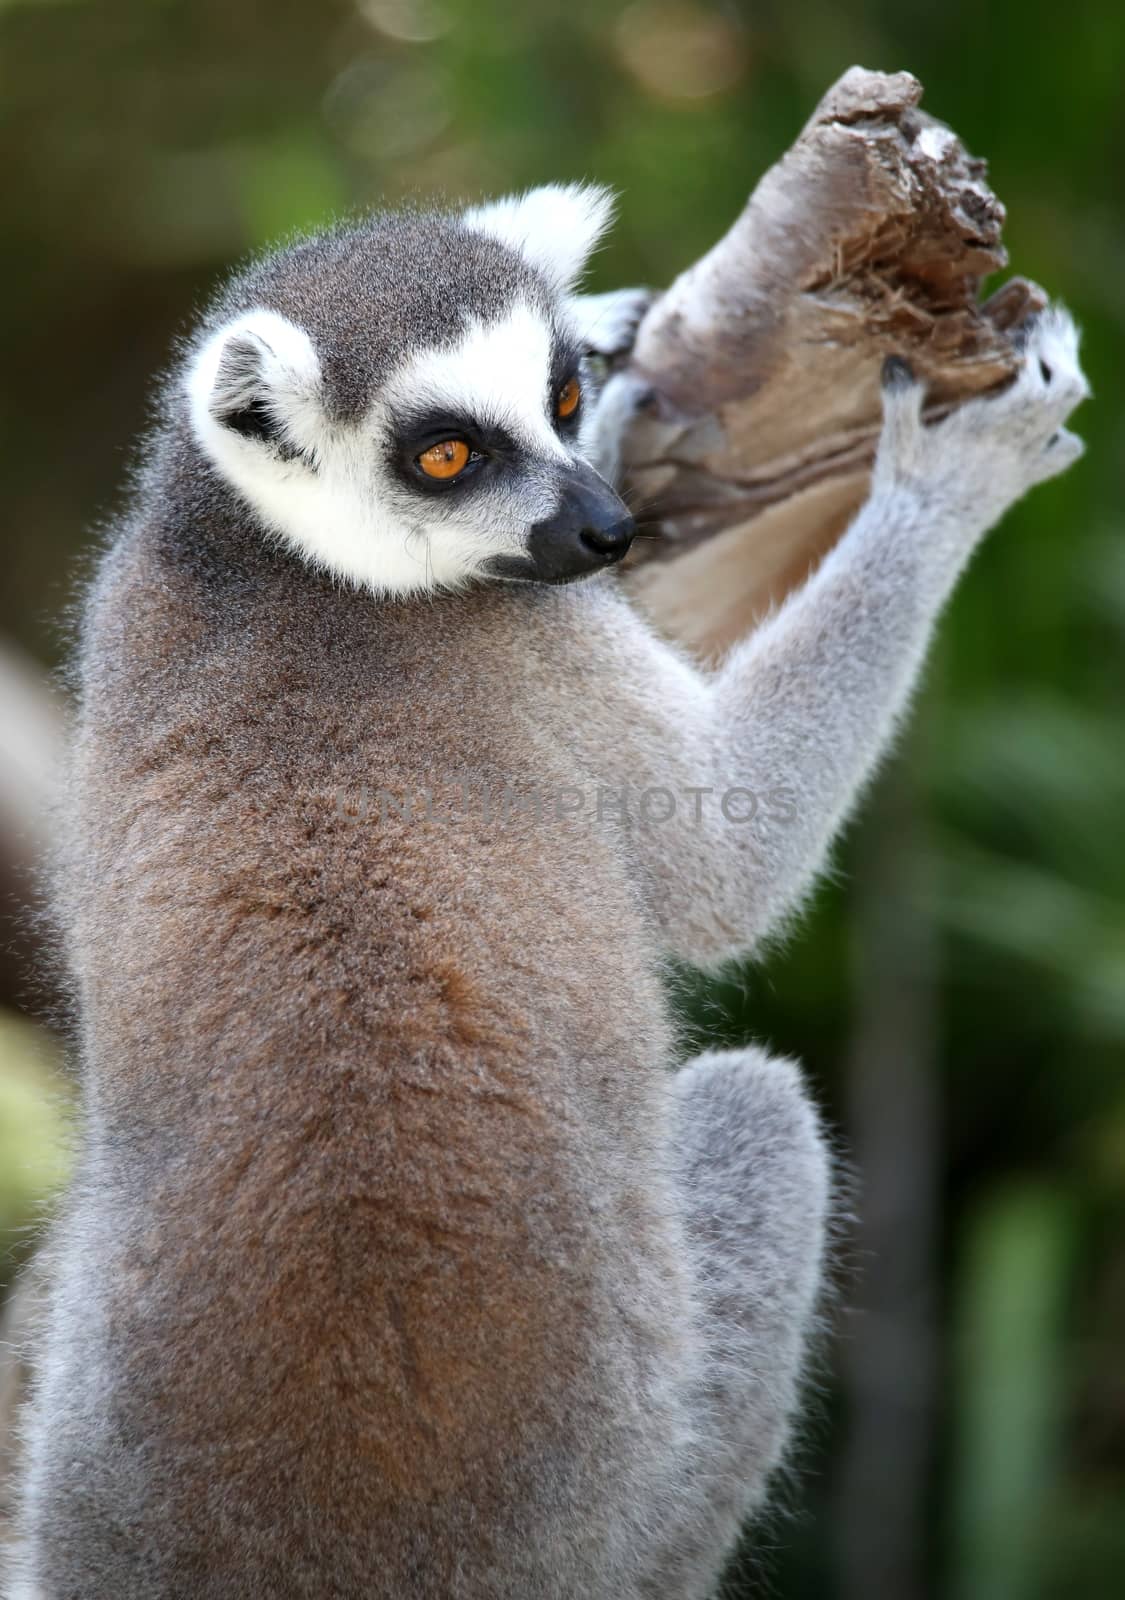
<point>402,1259</point>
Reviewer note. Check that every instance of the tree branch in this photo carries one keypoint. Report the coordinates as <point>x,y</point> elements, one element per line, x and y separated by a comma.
<point>761,363</point>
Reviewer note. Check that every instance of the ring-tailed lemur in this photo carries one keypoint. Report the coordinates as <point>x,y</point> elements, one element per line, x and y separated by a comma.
<point>398,1261</point>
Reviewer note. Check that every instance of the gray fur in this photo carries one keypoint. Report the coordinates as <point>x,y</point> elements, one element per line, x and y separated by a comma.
<point>398,1262</point>
<point>372,294</point>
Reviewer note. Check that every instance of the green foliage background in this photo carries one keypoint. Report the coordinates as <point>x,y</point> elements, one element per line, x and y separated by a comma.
<point>958,991</point>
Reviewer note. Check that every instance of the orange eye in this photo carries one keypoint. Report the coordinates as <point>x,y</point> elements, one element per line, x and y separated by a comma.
<point>569,395</point>
<point>445,460</point>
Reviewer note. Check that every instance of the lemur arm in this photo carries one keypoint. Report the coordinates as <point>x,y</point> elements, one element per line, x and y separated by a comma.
<point>802,711</point>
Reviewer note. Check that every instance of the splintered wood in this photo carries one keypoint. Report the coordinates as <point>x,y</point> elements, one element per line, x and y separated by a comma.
<point>753,448</point>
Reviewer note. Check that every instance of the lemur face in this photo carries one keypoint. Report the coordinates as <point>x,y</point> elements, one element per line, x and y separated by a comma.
<point>405,404</point>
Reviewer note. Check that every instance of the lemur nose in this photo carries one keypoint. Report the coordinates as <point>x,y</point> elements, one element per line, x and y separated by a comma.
<point>612,542</point>
<point>591,528</point>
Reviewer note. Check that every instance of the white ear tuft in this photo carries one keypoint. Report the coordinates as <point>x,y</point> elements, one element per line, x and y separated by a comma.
<point>258,378</point>
<point>554,227</point>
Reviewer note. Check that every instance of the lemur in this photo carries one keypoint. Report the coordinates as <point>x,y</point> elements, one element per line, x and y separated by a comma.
<point>401,1258</point>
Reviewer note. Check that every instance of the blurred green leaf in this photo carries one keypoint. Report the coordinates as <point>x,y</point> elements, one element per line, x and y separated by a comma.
<point>34,1142</point>
<point>1010,1299</point>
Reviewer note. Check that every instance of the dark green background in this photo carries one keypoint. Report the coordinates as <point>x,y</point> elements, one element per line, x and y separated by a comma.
<point>958,990</point>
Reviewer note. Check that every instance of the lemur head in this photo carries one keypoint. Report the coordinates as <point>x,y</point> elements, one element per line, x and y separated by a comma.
<point>404,402</point>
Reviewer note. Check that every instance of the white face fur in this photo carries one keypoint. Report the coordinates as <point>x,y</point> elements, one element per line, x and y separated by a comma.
<point>356,499</point>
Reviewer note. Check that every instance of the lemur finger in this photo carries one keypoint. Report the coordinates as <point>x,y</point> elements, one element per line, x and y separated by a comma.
<point>1051,374</point>
<point>1054,350</point>
<point>607,323</point>
<point>1061,451</point>
<point>903,396</point>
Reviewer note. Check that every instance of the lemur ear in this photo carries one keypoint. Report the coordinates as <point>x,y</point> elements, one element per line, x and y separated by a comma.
<point>257,377</point>
<point>554,227</point>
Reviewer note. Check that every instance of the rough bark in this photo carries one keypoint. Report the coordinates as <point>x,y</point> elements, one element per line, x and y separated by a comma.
<point>871,236</point>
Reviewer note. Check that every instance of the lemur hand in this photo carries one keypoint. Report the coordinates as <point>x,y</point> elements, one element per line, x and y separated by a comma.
<point>970,467</point>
